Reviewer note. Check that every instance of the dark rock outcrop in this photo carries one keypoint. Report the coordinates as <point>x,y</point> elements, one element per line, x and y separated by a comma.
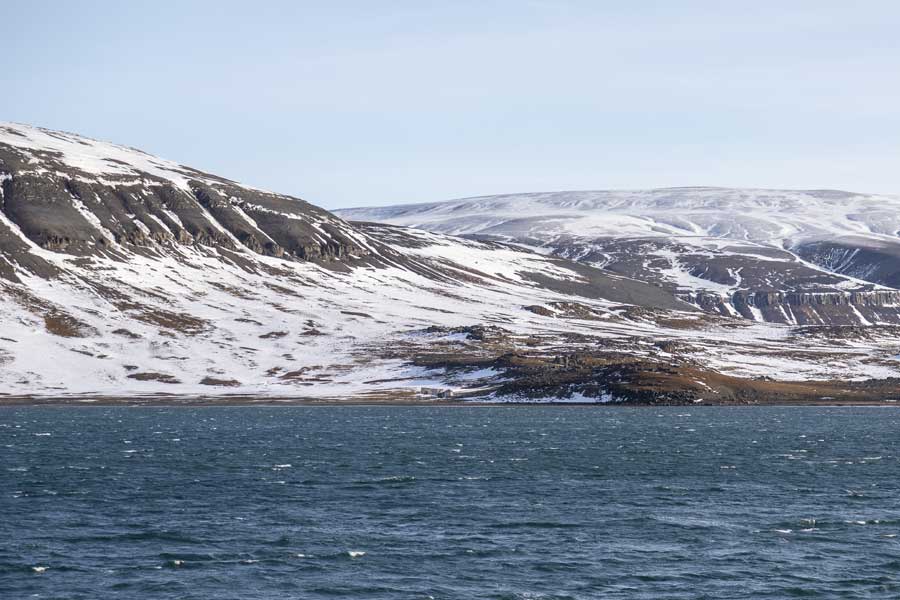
<point>805,308</point>
<point>63,208</point>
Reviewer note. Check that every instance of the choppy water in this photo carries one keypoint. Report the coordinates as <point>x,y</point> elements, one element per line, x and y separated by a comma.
<point>524,502</point>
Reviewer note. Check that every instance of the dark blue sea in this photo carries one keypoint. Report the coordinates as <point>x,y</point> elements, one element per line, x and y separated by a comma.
<point>447,502</point>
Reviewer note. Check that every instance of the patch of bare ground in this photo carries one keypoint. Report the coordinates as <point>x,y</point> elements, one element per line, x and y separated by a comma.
<point>439,310</point>
<point>887,361</point>
<point>477,345</point>
<point>231,290</point>
<point>449,360</point>
<point>160,377</point>
<point>593,371</point>
<point>251,321</point>
<point>286,291</point>
<point>540,310</point>
<point>479,333</point>
<point>212,381</point>
<point>161,296</point>
<point>676,347</point>
<point>56,321</point>
<point>282,308</point>
<point>682,323</point>
<point>126,333</point>
<point>303,375</point>
<point>847,332</point>
<point>811,355</point>
<point>398,396</point>
<point>649,382</point>
<point>572,310</point>
<point>182,323</point>
<point>273,335</point>
<point>65,325</point>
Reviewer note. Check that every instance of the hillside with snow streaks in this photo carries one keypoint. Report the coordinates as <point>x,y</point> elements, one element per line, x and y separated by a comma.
<point>126,277</point>
<point>817,257</point>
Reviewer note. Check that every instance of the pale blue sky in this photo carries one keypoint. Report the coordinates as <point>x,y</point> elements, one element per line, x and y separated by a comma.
<point>379,102</point>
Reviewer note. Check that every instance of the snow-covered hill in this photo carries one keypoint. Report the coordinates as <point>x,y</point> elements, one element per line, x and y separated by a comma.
<point>764,254</point>
<point>123,275</point>
<point>775,217</point>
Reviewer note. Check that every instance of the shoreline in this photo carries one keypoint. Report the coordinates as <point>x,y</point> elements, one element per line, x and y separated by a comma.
<point>246,401</point>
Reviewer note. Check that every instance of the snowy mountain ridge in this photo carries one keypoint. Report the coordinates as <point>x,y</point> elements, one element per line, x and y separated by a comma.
<point>125,277</point>
<point>753,215</point>
<point>699,242</point>
<point>92,157</point>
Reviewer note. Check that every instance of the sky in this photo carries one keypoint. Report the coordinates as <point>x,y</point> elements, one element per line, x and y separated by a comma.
<point>370,103</point>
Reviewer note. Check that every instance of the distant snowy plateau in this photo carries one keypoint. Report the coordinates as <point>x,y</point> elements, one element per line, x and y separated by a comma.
<point>126,277</point>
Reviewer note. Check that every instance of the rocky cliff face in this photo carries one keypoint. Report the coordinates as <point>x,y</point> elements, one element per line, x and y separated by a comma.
<point>877,261</point>
<point>806,308</point>
<point>69,194</point>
